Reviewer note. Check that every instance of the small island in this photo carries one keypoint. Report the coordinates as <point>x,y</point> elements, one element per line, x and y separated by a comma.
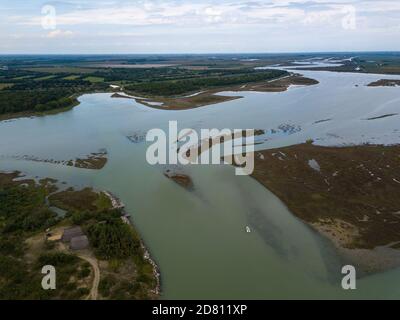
<point>385,83</point>
<point>179,178</point>
<point>93,161</point>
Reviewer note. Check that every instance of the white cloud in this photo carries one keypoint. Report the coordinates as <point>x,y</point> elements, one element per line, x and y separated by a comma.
<point>210,12</point>
<point>207,25</point>
<point>59,34</point>
<point>191,14</point>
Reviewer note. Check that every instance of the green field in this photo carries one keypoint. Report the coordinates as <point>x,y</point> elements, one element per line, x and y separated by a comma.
<point>44,78</point>
<point>60,69</point>
<point>22,78</point>
<point>72,77</point>
<point>94,79</point>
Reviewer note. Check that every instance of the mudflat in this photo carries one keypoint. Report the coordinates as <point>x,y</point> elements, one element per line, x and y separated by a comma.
<point>349,194</point>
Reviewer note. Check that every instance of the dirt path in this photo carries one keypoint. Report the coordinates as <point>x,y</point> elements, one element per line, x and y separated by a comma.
<point>96,280</point>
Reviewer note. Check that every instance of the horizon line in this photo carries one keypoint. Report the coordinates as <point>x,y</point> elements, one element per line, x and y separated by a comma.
<point>205,53</point>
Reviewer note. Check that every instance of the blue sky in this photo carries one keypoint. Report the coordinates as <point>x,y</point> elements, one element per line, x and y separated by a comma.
<point>177,26</point>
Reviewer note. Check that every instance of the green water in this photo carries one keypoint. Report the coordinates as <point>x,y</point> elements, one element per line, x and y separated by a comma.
<point>197,238</point>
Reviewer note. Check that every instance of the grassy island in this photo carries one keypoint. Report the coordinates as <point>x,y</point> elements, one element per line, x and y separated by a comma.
<point>349,194</point>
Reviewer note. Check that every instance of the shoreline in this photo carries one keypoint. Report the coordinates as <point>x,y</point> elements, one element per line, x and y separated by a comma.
<point>359,253</point>
<point>336,199</point>
<point>385,83</point>
<point>118,204</point>
<point>93,161</point>
<point>188,101</point>
<point>34,114</point>
<point>8,117</point>
<point>71,200</point>
<point>370,261</point>
<point>193,100</point>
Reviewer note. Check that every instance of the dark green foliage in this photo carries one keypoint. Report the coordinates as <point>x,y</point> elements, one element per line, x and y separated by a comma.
<point>114,289</point>
<point>28,94</point>
<point>105,285</point>
<point>109,214</point>
<point>19,197</point>
<point>11,245</point>
<point>23,208</point>
<point>19,101</point>
<point>177,87</point>
<point>160,74</point>
<point>84,217</point>
<point>66,266</point>
<point>83,292</point>
<point>84,273</point>
<point>113,239</point>
<point>17,282</point>
<point>79,217</point>
<point>20,281</point>
<point>23,211</point>
<point>125,290</point>
<point>57,259</point>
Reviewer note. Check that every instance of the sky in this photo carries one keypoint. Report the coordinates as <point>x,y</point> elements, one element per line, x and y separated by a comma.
<point>192,26</point>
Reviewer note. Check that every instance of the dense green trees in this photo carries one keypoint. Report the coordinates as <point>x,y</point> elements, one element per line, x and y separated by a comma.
<point>17,282</point>
<point>177,87</point>
<point>23,213</point>
<point>23,208</point>
<point>18,101</point>
<point>33,91</point>
<point>140,75</point>
<point>113,239</point>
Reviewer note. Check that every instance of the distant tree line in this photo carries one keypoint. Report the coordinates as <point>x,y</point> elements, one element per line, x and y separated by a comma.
<point>177,87</point>
<point>43,95</point>
<point>19,101</point>
<point>27,90</point>
<point>161,74</point>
